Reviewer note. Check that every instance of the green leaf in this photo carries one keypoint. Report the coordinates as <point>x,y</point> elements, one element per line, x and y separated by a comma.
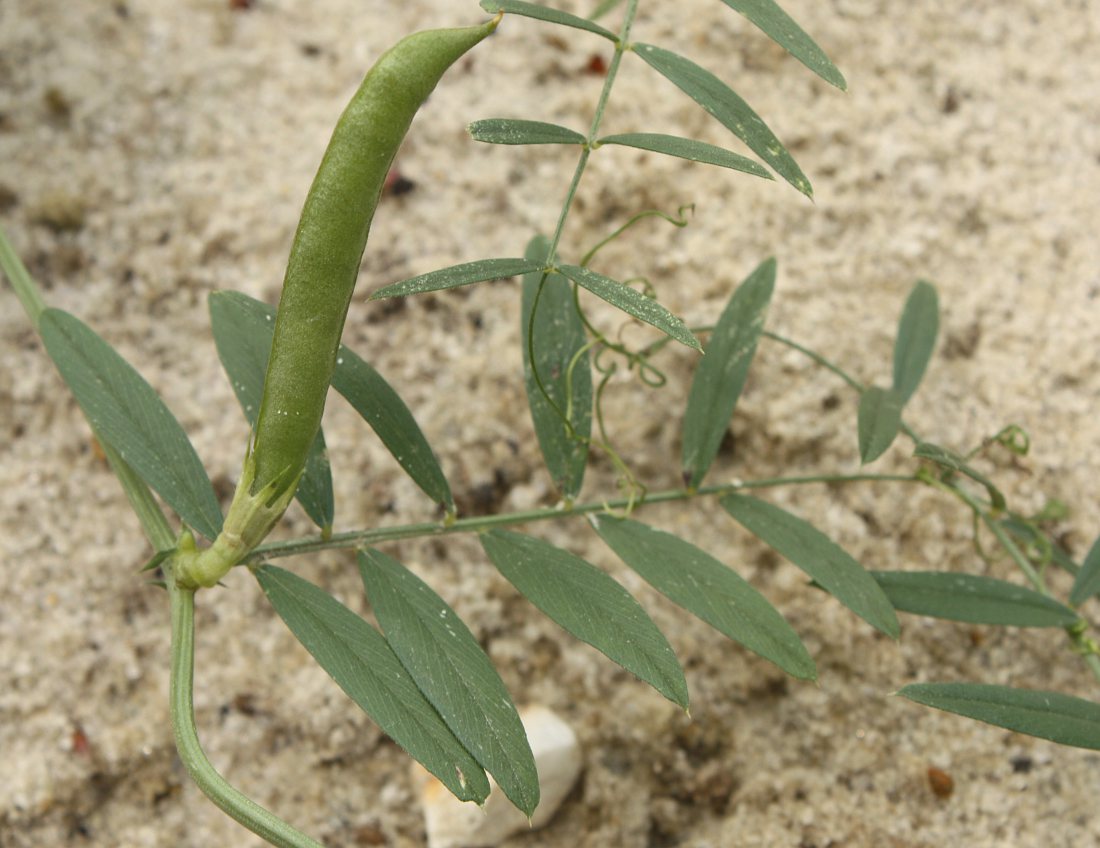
<point>1047,715</point>
<point>779,26</point>
<point>720,375</point>
<point>458,275</point>
<point>879,421</point>
<point>917,331</point>
<point>364,665</point>
<point>559,336</point>
<point>720,101</point>
<point>708,589</point>
<point>631,302</point>
<point>603,8</point>
<point>590,605</point>
<point>158,559</point>
<point>825,561</point>
<point>971,598</point>
<point>955,463</point>
<point>1087,583</point>
<point>125,411</point>
<point>382,408</point>
<point>686,148</point>
<point>516,131</point>
<point>243,328</point>
<point>543,13</point>
<point>444,659</point>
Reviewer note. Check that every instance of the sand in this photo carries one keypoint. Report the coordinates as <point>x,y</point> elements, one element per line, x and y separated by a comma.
<point>153,152</point>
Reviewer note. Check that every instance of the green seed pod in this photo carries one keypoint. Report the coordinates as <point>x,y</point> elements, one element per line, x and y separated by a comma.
<point>320,278</point>
<point>332,234</point>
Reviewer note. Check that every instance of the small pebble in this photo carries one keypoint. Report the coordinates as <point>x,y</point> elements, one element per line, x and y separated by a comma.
<point>451,823</point>
<point>941,782</point>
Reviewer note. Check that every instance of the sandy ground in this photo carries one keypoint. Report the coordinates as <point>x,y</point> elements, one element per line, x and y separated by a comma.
<point>151,152</point>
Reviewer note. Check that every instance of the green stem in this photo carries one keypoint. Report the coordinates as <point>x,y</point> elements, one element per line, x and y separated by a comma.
<point>571,193</point>
<point>1075,632</point>
<point>230,800</point>
<point>477,524</point>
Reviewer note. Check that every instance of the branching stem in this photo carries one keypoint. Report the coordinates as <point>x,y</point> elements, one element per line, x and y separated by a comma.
<point>478,524</point>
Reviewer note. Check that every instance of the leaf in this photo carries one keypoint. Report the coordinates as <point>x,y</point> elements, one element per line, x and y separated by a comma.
<point>779,26</point>
<point>1087,583</point>
<point>458,275</point>
<point>589,604</point>
<point>825,561</point>
<point>515,131</point>
<point>125,411</point>
<point>357,657</point>
<point>708,589</point>
<point>543,13</point>
<point>243,329</point>
<point>631,302</point>
<point>686,148</point>
<point>719,100</point>
<point>916,338</point>
<point>559,335</point>
<point>1047,715</point>
<point>720,375</point>
<point>382,408</point>
<point>953,462</point>
<point>971,598</point>
<point>158,559</point>
<point>879,421</point>
<point>444,659</point>
<point>603,8</point>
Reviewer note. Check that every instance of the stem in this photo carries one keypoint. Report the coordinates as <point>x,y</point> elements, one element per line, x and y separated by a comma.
<point>230,800</point>
<point>478,524</point>
<point>571,193</point>
<point>160,535</point>
<point>1075,632</point>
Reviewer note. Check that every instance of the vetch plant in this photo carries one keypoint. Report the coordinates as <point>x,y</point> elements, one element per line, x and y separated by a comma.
<point>424,679</point>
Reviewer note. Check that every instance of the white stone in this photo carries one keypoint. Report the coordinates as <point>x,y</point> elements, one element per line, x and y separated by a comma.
<point>454,824</point>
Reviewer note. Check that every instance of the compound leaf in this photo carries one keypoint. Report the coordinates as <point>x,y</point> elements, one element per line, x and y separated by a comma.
<point>446,662</point>
<point>690,149</point>
<point>782,29</point>
<point>724,104</point>
<point>516,131</point>
<point>243,329</point>
<point>559,337</point>
<point>827,563</point>
<point>458,275</point>
<point>360,660</point>
<point>878,422</point>
<point>127,413</point>
<point>720,375</point>
<point>632,302</point>
<point>543,13</point>
<point>708,589</point>
<point>1047,715</point>
<point>971,598</point>
<point>916,339</point>
<point>587,603</point>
